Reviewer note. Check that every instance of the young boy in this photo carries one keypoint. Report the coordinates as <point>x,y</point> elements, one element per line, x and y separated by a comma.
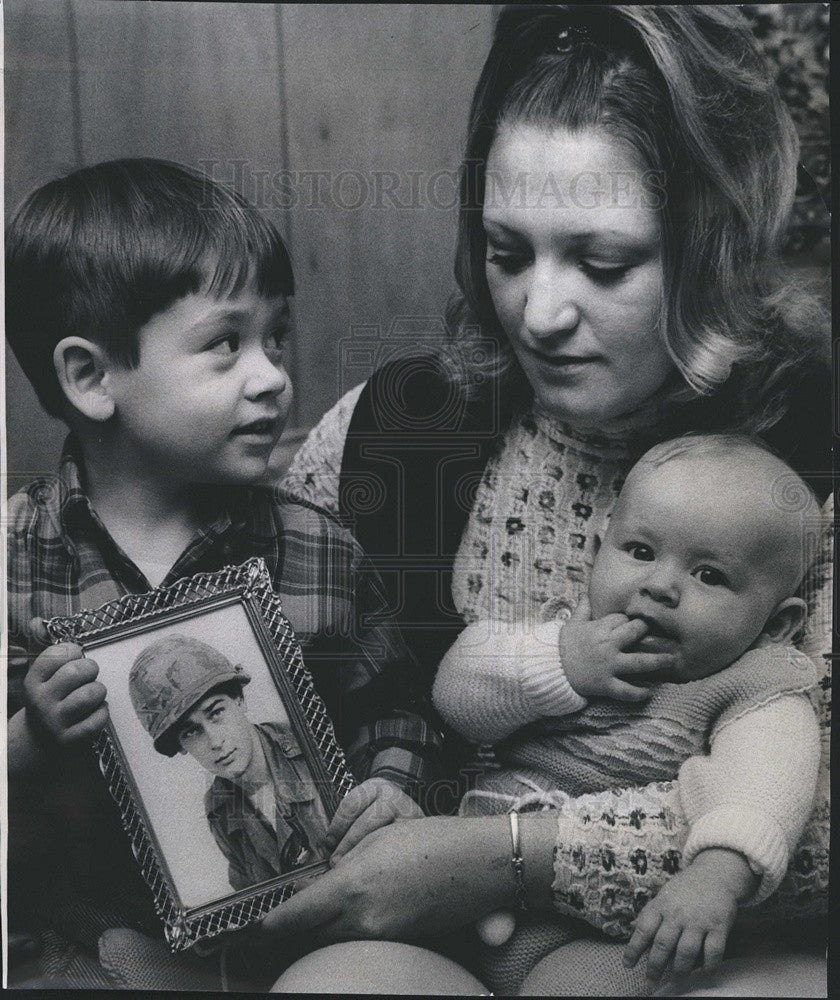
<point>263,807</point>
<point>692,607</point>
<point>149,307</point>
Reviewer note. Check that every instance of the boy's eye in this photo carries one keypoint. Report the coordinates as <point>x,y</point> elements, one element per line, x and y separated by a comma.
<point>711,577</point>
<point>604,275</point>
<point>640,551</point>
<point>276,343</point>
<point>229,344</point>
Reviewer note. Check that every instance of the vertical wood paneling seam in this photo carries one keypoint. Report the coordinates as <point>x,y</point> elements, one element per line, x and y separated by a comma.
<point>286,227</point>
<point>75,89</point>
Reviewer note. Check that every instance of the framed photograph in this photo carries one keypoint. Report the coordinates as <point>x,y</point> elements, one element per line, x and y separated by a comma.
<point>218,751</point>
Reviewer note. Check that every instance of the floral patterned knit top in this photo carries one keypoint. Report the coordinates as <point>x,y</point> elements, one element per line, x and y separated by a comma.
<point>526,553</point>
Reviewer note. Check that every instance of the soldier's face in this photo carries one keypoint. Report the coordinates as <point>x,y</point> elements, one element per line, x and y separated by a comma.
<point>219,734</point>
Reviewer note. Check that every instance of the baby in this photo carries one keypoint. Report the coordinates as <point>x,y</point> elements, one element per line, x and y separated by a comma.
<point>683,643</point>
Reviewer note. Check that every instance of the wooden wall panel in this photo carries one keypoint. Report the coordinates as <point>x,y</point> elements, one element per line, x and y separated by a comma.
<point>373,88</point>
<point>351,90</point>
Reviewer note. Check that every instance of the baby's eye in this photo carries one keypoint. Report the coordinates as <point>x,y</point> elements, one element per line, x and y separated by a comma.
<point>604,275</point>
<point>227,345</point>
<point>640,551</point>
<point>711,577</point>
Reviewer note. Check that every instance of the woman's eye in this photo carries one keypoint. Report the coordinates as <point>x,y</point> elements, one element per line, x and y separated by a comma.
<point>710,576</point>
<point>229,344</point>
<point>640,551</point>
<point>509,263</point>
<point>604,275</point>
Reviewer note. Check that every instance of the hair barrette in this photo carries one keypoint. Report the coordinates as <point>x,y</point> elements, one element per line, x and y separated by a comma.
<point>570,38</point>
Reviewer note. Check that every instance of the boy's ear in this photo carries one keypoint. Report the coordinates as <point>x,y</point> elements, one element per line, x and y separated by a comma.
<point>787,619</point>
<point>82,369</point>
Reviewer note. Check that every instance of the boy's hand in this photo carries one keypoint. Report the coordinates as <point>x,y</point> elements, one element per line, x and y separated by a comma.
<point>689,921</point>
<point>375,803</point>
<point>593,655</point>
<point>65,704</point>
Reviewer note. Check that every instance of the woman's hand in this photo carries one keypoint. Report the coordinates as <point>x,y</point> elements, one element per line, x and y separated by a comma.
<point>368,807</point>
<point>409,880</point>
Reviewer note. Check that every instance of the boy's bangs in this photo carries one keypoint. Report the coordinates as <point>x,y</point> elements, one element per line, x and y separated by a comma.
<point>243,250</point>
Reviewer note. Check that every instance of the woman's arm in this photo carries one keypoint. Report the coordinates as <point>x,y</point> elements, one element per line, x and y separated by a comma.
<point>314,472</point>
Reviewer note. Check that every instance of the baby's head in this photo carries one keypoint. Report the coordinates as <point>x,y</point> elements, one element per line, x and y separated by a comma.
<point>136,289</point>
<point>701,547</point>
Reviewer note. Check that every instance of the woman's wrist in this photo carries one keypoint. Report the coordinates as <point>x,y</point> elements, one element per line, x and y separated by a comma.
<point>537,836</point>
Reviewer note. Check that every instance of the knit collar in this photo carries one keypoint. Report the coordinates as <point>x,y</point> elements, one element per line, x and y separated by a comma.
<point>619,433</point>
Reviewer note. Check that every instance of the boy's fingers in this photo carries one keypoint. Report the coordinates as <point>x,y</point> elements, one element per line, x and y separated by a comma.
<point>82,702</point>
<point>371,819</point>
<point>71,676</point>
<point>38,632</point>
<point>713,949</point>
<point>307,909</point>
<point>689,949</point>
<point>88,728</point>
<point>353,803</point>
<point>54,657</point>
<point>622,691</point>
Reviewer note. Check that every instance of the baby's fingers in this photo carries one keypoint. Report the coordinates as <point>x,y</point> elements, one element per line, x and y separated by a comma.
<point>629,630</point>
<point>622,691</point>
<point>713,949</point>
<point>644,663</point>
<point>82,702</point>
<point>87,728</point>
<point>646,927</point>
<point>662,950</point>
<point>689,950</point>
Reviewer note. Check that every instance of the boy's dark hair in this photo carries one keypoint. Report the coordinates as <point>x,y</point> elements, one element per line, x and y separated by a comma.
<point>99,252</point>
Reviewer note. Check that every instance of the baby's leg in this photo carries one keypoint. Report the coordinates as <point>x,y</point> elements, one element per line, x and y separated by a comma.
<point>385,967</point>
<point>586,968</point>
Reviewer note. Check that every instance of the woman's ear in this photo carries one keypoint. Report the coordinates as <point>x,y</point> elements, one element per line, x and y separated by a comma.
<point>82,369</point>
<point>787,619</point>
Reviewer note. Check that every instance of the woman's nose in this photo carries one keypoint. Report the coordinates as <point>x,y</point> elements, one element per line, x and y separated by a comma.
<point>550,308</point>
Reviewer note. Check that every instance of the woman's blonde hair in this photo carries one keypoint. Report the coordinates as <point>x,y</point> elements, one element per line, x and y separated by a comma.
<point>687,87</point>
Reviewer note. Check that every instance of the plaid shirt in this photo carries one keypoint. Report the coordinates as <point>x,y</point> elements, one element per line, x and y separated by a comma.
<point>61,559</point>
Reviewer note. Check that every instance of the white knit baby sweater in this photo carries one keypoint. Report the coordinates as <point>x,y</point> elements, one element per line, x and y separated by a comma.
<point>507,684</point>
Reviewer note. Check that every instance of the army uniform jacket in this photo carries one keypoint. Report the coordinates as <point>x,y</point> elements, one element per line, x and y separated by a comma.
<point>256,852</point>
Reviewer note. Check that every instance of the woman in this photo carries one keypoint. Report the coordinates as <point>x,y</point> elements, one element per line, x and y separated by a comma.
<point>627,179</point>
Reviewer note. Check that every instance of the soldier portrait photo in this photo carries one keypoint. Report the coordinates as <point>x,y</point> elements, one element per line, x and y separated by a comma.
<point>263,807</point>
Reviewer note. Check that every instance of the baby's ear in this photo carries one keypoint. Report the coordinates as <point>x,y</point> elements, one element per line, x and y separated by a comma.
<point>787,619</point>
<point>82,367</point>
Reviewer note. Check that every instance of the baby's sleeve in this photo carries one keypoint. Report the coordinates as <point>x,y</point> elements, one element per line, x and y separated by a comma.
<point>499,676</point>
<point>754,792</point>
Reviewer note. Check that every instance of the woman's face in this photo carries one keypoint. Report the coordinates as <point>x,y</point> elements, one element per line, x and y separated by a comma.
<point>574,268</point>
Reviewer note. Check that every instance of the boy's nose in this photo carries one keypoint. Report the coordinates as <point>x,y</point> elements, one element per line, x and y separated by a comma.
<point>266,378</point>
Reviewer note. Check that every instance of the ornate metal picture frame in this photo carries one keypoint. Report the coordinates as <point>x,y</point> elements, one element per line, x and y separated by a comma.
<point>157,652</point>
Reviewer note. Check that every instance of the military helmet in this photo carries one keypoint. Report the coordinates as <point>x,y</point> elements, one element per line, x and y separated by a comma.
<point>169,677</point>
